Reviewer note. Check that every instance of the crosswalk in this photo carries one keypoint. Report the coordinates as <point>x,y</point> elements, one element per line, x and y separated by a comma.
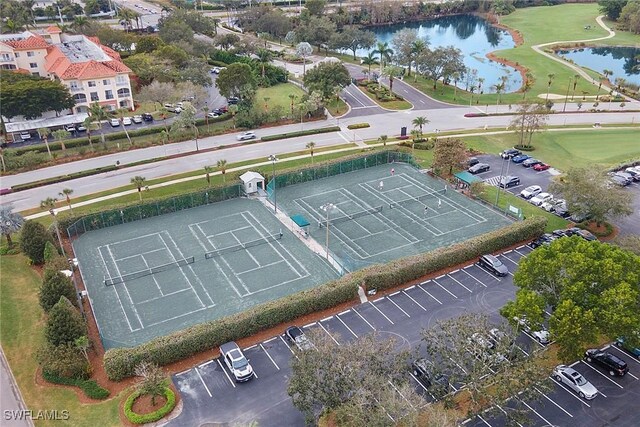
<point>493,181</point>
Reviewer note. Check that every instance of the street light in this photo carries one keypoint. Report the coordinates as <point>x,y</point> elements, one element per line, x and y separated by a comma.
<point>327,207</point>
<point>55,224</point>
<point>273,159</point>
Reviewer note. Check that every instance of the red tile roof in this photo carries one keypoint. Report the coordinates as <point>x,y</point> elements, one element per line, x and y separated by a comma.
<point>93,69</point>
<point>53,29</point>
<point>32,42</point>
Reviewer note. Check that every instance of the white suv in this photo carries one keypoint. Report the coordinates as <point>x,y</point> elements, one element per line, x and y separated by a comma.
<point>236,362</point>
<point>246,135</point>
<point>531,191</point>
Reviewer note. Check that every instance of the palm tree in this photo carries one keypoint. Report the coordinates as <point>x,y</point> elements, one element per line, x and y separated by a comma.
<point>607,73</point>
<point>10,222</point>
<point>138,182</point>
<point>222,165</point>
<point>419,122</point>
<point>66,192</point>
<point>455,76</point>
<point>44,136</point>
<point>417,47</point>
<point>480,81</point>
<point>576,77</point>
<point>266,103</point>
<point>551,76</point>
<point>528,83</point>
<point>208,170</point>
<point>264,57</point>
<point>385,52</point>
<point>122,113</point>
<point>370,60</point>
<point>48,203</point>
<point>126,15</point>
<point>292,97</point>
<point>79,24</point>
<point>87,124</point>
<point>206,116</point>
<point>98,113</point>
<point>61,135</point>
<point>310,146</point>
<point>383,139</point>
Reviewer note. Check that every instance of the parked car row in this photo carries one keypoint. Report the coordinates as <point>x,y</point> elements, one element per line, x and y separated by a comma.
<point>626,176</point>
<point>547,238</point>
<point>128,121</point>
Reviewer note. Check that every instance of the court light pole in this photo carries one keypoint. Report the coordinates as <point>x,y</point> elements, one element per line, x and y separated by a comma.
<point>273,159</point>
<point>327,208</point>
<point>55,225</point>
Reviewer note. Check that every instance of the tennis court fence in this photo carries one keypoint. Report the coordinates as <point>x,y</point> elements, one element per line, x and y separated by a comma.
<point>243,246</point>
<point>148,272</point>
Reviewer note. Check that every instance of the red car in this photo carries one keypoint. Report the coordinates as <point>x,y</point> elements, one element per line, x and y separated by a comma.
<point>541,167</point>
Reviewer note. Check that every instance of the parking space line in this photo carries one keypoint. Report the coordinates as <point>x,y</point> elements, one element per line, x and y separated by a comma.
<point>270,339</point>
<point>507,252</point>
<point>385,316</point>
<point>445,289</point>
<point>395,293</point>
<point>600,373</point>
<point>250,347</point>
<point>183,372</point>
<point>537,413</point>
<point>399,308</point>
<point>203,383</point>
<point>484,421</point>
<point>538,342</point>
<point>344,312</point>
<point>523,255</point>
<point>552,401</point>
<point>459,283</point>
<point>225,373</point>
<point>345,325</point>
<point>287,345</point>
<point>454,271</point>
<point>410,287</point>
<point>270,358</point>
<point>427,292</point>
<point>327,318</point>
<point>206,363</point>
<point>308,325</point>
<point>331,336</point>
<point>474,277</point>
<point>417,303</point>
<point>365,320</point>
<point>563,387</point>
<point>461,368</point>
<point>509,259</point>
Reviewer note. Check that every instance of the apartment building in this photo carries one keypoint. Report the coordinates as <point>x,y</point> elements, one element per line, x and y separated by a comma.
<point>91,71</point>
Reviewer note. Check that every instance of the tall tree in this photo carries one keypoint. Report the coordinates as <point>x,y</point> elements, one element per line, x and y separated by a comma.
<point>550,78</point>
<point>304,49</point>
<point>264,57</point>
<point>64,324</point>
<point>612,8</point>
<point>222,167</point>
<point>55,285</point>
<point>448,153</point>
<point>31,98</point>
<point>529,119</point>
<point>33,238</point>
<point>384,52</point>
<point>236,80</point>
<point>98,114</point>
<point>10,222</point>
<point>325,76</point>
<point>419,122</point>
<point>61,135</point>
<point>403,42</point>
<point>44,136</point>
<point>310,146</point>
<point>152,382</point>
<point>66,193</point>
<point>369,60</point>
<point>352,38</point>
<point>208,170</point>
<point>187,120</point>
<point>139,182</point>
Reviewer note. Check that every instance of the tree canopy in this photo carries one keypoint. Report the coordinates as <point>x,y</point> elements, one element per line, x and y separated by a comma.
<point>325,77</point>
<point>30,97</point>
<point>237,80</point>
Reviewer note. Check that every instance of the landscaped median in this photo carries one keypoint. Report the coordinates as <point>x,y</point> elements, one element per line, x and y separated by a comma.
<point>300,133</point>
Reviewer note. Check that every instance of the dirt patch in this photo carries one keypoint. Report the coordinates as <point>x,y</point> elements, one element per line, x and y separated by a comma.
<point>143,404</point>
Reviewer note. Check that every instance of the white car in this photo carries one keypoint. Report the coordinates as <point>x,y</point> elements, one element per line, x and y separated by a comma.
<point>542,336</point>
<point>137,119</point>
<point>114,123</point>
<point>540,199</point>
<point>531,191</point>
<point>550,206</point>
<point>575,381</point>
<point>25,136</point>
<point>213,115</point>
<point>245,136</point>
<point>126,121</point>
<point>236,362</point>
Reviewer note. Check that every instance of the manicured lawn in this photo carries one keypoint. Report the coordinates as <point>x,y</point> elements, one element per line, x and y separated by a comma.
<point>563,150</point>
<point>278,95</point>
<point>337,107</point>
<point>21,323</point>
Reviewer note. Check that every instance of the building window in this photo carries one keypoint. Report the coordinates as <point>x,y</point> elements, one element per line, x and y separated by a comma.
<point>73,85</point>
<point>6,57</point>
<point>122,80</point>
<point>31,54</point>
<point>92,84</point>
<point>17,54</point>
<point>35,74</point>
<point>106,82</point>
<point>123,93</point>
<point>108,94</point>
<point>80,98</point>
<point>94,96</point>
<point>33,65</point>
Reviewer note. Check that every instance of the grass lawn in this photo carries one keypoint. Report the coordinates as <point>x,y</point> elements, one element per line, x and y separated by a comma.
<point>21,334</point>
<point>389,105</point>
<point>563,150</point>
<point>337,107</point>
<point>278,95</point>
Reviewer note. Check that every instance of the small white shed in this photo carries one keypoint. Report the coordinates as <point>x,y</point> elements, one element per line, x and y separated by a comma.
<point>252,182</point>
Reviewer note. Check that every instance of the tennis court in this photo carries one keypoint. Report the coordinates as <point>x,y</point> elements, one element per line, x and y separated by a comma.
<point>377,216</point>
<point>158,275</point>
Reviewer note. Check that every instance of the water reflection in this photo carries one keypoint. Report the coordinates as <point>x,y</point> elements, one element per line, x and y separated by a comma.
<point>624,62</point>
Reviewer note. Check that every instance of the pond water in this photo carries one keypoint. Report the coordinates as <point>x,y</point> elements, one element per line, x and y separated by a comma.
<point>474,36</point>
<point>620,60</point>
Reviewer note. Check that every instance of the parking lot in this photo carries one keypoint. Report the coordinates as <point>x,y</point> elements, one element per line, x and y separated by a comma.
<point>211,396</point>
<point>503,167</point>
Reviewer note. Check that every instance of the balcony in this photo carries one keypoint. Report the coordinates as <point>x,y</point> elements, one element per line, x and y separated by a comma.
<point>75,89</point>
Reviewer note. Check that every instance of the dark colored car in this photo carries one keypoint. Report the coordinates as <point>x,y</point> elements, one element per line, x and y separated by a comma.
<point>472,161</point>
<point>539,167</point>
<point>621,343</point>
<point>493,264</point>
<point>479,168</point>
<point>233,100</point>
<point>560,233</point>
<point>545,239</point>
<point>509,153</point>
<point>147,117</point>
<point>520,158</point>
<point>576,217</point>
<point>530,162</point>
<point>509,181</point>
<point>424,371</point>
<point>610,362</point>
<point>296,336</point>
<point>561,211</point>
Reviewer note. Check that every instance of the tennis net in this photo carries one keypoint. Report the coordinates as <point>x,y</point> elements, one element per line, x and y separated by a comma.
<point>418,199</point>
<point>149,271</point>
<point>352,216</point>
<point>243,246</point>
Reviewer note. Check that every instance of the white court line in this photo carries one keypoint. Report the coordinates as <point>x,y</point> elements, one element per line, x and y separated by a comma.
<point>563,387</point>
<point>552,401</point>
<point>399,308</point>
<point>459,283</point>
<point>225,373</point>
<point>140,254</point>
<point>269,356</point>
<point>345,325</point>
<point>203,383</point>
<point>133,306</point>
<point>537,413</point>
<point>246,249</point>
<point>153,276</point>
<point>600,373</point>
<point>116,291</point>
<point>427,292</point>
<point>331,336</point>
<point>202,304</point>
<point>445,289</point>
<point>409,296</point>
<point>365,320</point>
<point>385,316</point>
<point>472,276</point>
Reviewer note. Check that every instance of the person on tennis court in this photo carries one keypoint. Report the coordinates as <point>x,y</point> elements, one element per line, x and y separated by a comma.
<point>381,186</point>
<point>426,209</point>
<point>439,203</point>
<point>393,171</point>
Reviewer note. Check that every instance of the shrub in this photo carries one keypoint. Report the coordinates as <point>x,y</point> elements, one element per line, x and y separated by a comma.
<point>34,237</point>
<point>90,388</point>
<point>54,286</point>
<point>62,178</point>
<point>50,251</point>
<point>358,126</point>
<point>63,362</point>
<point>64,324</point>
<point>119,363</point>
<point>152,416</point>
<point>300,133</point>
<point>524,147</point>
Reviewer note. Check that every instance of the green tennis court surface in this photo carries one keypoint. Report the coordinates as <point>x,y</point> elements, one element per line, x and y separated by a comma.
<point>151,277</point>
<point>379,216</point>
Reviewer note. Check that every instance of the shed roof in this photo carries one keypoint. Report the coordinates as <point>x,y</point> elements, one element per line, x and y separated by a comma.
<point>300,220</point>
<point>467,177</point>
<point>250,176</point>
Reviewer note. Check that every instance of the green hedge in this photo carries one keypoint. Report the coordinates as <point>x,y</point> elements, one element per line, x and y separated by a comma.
<point>358,126</point>
<point>62,178</point>
<point>120,362</point>
<point>300,133</point>
<point>152,416</point>
<point>90,388</point>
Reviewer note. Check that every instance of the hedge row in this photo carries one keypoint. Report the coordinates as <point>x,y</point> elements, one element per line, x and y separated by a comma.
<point>300,133</point>
<point>120,362</point>
<point>358,126</point>
<point>62,178</point>
<point>151,416</point>
<point>90,388</point>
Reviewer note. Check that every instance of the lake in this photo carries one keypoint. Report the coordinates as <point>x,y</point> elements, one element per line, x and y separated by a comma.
<point>620,60</point>
<point>474,36</point>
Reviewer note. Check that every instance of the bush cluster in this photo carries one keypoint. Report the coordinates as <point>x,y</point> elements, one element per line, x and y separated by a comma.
<point>425,145</point>
<point>358,126</point>
<point>119,363</point>
<point>34,237</point>
<point>300,133</point>
<point>62,178</point>
<point>90,388</point>
<point>382,93</point>
<point>63,361</point>
<point>152,416</point>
